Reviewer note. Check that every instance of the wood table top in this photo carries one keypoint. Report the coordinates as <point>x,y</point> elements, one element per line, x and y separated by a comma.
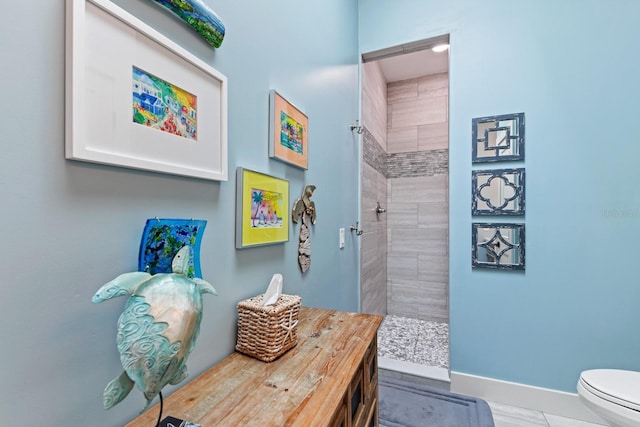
<point>243,391</point>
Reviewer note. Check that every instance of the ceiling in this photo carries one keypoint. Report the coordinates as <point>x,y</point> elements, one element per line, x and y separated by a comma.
<point>415,64</point>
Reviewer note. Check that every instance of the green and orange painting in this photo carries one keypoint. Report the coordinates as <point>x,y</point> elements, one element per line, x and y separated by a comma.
<point>291,133</point>
<point>161,105</point>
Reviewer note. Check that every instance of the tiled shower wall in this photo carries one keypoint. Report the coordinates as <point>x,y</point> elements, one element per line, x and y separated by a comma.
<point>404,268</point>
<point>417,197</point>
<point>373,266</point>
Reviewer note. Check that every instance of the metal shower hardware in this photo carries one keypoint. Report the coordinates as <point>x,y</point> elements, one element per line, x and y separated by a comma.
<point>359,129</point>
<point>356,229</point>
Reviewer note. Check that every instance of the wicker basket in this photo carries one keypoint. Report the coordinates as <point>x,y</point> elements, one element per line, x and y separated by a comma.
<point>267,332</point>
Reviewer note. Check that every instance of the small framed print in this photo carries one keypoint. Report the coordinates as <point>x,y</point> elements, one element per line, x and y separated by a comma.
<point>261,209</point>
<point>288,132</point>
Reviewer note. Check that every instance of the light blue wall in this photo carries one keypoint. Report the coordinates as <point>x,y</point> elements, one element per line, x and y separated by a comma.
<point>572,67</point>
<point>68,227</point>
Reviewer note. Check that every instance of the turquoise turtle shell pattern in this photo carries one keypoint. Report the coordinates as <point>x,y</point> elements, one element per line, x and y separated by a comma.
<point>157,329</point>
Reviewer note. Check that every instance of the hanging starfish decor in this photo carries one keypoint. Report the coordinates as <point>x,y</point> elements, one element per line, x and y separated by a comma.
<point>304,208</point>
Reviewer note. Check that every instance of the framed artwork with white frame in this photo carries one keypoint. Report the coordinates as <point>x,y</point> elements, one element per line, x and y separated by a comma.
<point>136,99</point>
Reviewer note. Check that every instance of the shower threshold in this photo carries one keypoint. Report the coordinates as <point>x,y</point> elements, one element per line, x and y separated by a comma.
<point>415,369</point>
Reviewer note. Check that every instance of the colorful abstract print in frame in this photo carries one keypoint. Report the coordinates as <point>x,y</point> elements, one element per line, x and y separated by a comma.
<point>265,206</point>
<point>291,133</point>
<point>160,105</point>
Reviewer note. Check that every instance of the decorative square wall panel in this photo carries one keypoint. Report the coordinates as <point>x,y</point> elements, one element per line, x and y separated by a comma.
<point>498,138</point>
<point>498,192</point>
<point>498,245</point>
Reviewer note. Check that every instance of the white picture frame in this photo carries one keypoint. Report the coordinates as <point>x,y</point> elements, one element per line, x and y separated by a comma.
<point>104,47</point>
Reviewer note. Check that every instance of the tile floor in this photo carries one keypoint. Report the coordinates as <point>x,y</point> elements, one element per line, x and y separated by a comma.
<point>414,340</point>
<point>512,416</point>
<point>403,340</point>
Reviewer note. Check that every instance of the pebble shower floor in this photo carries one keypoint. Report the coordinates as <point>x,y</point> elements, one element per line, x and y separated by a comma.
<point>414,340</point>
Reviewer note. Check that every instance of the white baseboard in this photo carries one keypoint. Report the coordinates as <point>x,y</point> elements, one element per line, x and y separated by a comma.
<point>524,396</point>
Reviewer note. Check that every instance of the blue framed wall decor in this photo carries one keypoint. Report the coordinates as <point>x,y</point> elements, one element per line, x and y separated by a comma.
<point>498,246</point>
<point>498,192</point>
<point>498,138</point>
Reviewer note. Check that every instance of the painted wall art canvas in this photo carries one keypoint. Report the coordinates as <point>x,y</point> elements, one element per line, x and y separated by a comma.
<point>261,209</point>
<point>197,15</point>
<point>266,208</point>
<point>158,104</point>
<point>288,132</point>
<point>163,238</point>
<point>136,99</point>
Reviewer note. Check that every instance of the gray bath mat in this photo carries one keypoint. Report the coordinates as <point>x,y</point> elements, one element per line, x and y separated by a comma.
<point>404,404</point>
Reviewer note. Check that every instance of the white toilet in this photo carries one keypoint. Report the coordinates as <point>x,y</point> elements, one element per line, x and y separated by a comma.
<point>612,394</point>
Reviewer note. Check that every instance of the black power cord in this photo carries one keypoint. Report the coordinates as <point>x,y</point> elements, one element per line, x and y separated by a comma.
<point>160,415</point>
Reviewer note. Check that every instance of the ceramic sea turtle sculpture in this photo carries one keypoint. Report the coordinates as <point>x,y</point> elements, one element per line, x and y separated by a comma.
<point>158,328</point>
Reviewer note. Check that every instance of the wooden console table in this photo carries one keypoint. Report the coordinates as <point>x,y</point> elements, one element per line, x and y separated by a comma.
<point>329,379</point>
